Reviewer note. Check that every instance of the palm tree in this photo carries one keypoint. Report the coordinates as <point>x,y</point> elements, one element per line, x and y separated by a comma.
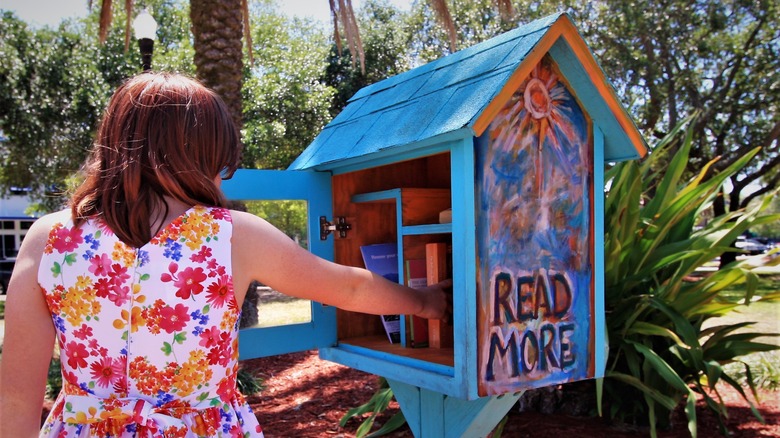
<point>217,30</point>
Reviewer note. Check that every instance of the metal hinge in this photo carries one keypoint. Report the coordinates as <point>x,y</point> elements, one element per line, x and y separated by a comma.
<point>339,224</point>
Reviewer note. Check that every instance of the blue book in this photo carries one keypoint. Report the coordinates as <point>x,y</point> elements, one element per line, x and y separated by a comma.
<point>382,259</point>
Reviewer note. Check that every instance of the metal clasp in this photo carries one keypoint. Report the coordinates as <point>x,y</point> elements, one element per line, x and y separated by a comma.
<point>339,224</point>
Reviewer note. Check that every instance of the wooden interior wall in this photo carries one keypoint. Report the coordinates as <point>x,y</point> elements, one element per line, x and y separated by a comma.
<point>376,222</point>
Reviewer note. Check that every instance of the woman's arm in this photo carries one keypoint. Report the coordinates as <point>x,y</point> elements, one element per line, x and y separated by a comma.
<point>28,342</point>
<point>263,253</point>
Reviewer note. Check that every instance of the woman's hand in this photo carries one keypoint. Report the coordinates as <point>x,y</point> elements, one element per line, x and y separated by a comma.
<point>437,301</point>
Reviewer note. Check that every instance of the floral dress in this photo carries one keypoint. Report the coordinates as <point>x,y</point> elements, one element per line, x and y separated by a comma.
<point>148,336</point>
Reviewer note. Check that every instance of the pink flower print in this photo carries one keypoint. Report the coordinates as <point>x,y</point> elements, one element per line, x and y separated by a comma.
<point>105,371</point>
<point>70,377</point>
<point>220,354</point>
<point>171,274</point>
<point>220,213</point>
<point>100,265</point>
<point>120,383</point>
<point>210,337</point>
<point>67,239</point>
<point>190,282</point>
<point>77,354</point>
<point>220,291</point>
<point>93,345</point>
<point>119,295</point>
<point>84,332</point>
<point>226,387</point>
<point>236,432</point>
<point>118,274</point>
<point>102,287</point>
<point>174,319</point>
<point>202,255</point>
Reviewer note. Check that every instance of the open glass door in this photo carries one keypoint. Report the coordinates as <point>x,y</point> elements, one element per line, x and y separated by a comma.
<point>275,323</point>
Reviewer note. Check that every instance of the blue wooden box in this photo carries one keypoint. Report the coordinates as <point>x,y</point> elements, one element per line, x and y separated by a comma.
<point>513,135</point>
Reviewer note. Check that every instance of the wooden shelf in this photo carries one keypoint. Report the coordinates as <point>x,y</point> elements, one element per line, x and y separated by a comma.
<point>441,356</point>
<point>414,206</point>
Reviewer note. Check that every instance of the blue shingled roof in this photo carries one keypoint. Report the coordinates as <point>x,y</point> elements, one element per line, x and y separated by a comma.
<point>436,98</point>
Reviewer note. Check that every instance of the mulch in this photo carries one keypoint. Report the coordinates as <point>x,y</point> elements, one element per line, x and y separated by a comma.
<point>304,396</point>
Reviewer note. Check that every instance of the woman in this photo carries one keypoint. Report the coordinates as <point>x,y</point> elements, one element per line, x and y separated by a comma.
<point>141,281</point>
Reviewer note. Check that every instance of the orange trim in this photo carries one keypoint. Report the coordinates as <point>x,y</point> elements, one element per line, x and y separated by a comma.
<point>563,27</point>
<point>517,78</point>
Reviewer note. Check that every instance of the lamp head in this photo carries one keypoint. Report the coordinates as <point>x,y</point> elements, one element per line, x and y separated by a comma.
<point>144,25</point>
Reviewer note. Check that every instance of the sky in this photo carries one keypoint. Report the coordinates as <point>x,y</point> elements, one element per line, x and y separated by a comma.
<point>51,12</point>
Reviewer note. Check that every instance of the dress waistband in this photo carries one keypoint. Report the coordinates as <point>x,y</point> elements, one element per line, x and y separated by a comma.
<point>113,415</point>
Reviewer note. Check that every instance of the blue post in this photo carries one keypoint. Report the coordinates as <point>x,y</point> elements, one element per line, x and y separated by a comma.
<point>431,414</point>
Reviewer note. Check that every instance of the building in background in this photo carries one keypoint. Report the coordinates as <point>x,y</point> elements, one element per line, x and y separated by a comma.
<point>14,223</point>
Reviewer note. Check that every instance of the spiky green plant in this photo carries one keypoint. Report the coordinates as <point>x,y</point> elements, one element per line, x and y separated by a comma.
<point>378,404</point>
<point>659,353</point>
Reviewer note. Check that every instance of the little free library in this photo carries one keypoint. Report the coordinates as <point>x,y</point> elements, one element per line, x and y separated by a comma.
<point>488,165</point>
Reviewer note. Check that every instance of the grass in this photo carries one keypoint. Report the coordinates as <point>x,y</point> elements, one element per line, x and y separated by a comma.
<point>765,366</point>
<point>764,314</point>
<point>283,313</point>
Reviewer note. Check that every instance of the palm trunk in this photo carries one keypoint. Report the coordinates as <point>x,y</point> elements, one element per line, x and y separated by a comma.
<point>217,29</point>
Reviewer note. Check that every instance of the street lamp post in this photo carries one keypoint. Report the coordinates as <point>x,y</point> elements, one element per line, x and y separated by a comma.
<point>145,29</point>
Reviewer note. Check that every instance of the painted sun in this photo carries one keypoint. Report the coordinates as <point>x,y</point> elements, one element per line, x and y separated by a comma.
<point>541,106</point>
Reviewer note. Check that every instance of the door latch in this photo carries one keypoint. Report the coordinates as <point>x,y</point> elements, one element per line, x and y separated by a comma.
<point>339,225</point>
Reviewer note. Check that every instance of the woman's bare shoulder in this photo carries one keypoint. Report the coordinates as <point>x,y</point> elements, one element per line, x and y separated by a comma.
<point>245,222</point>
<point>45,223</point>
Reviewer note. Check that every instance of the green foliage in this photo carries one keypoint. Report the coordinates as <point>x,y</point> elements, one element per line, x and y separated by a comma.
<point>247,383</point>
<point>288,216</point>
<point>671,59</point>
<point>763,368</point>
<point>285,104</point>
<point>385,36</point>
<point>46,110</point>
<point>54,379</point>
<point>770,230</point>
<point>659,352</point>
<point>378,404</point>
<point>54,85</point>
<point>475,21</point>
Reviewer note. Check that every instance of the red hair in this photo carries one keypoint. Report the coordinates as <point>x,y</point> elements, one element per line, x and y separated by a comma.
<point>163,134</point>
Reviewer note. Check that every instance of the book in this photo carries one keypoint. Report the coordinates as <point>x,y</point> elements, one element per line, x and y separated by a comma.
<point>415,273</point>
<point>440,333</point>
<point>382,259</point>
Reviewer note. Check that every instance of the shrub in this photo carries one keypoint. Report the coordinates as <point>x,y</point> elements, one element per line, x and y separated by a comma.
<point>659,354</point>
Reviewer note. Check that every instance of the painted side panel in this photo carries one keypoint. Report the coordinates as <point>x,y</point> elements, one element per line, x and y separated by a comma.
<point>315,188</point>
<point>535,262</point>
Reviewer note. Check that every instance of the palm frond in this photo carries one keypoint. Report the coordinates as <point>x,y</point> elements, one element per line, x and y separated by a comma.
<point>128,14</point>
<point>445,18</point>
<point>247,31</point>
<point>105,20</point>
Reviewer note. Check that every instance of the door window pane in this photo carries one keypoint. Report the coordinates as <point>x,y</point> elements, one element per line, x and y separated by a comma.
<point>263,306</point>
